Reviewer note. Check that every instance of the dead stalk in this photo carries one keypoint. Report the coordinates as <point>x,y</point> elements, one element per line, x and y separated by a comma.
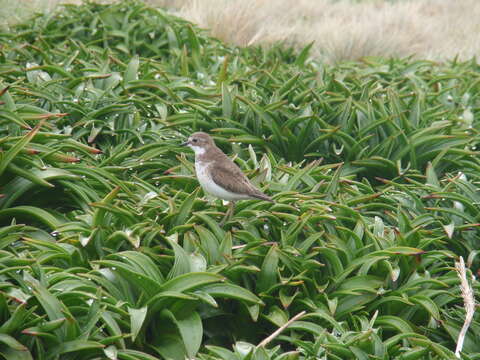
<point>468,301</point>
<point>280,329</point>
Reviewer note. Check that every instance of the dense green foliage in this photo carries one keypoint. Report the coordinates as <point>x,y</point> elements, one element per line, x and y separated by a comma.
<point>109,249</point>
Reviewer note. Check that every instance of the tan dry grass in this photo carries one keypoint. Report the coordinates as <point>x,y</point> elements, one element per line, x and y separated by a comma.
<point>341,30</point>
<point>468,303</point>
<point>345,29</point>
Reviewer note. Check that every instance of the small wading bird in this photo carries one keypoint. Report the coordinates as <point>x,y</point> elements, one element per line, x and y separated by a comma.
<point>218,175</point>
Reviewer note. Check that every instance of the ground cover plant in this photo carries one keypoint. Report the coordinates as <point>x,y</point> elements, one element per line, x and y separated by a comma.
<point>437,30</point>
<point>109,249</point>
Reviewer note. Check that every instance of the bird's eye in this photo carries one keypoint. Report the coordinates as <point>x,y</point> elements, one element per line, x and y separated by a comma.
<point>194,140</point>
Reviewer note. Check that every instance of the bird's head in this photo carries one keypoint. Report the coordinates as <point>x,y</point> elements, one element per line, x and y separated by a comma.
<point>199,142</point>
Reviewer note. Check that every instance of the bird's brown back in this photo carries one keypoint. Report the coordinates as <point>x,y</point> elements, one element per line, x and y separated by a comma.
<point>228,175</point>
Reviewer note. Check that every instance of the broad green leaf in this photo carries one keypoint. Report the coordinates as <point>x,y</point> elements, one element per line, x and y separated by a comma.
<point>56,311</point>
<point>221,352</point>
<point>133,276</point>
<point>181,264</point>
<point>268,274</point>
<point>428,304</point>
<point>131,72</point>
<point>12,343</point>
<point>73,347</point>
<point>209,244</point>
<point>30,212</point>
<point>25,182</point>
<point>231,291</point>
<point>185,209</point>
<point>190,328</point>
<point>171,346</point>
<point>395,323</point>
<point>190,281</point>
<point>137,317</point>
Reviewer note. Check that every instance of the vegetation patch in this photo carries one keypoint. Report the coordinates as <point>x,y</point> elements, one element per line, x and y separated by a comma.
<point>108,248</point>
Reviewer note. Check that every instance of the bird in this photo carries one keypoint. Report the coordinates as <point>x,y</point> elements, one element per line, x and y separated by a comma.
<point>218,175</point>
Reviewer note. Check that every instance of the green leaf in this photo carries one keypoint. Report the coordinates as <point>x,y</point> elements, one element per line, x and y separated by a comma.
<point>16,320</point>
<point>231,291</point>
<point>30,212</point>
<point>428,304</point>
<point>99,216</point>
<point>268,274</point>
<point>221,352</point>
<point>190,281</point>
<point>432,177</point>
<point>185,209</point>
<point>227,106</point>
<point>134,355</point>
<point>12,343</point>
<point>48,326</point>
<point>73,347</point>
<point>10,154</point>
<point>209,244</point>
<point>400,250</point>
<point>394,322</point>
<point>137,317</point>
<point>28,179</point>
<point>181,264</point>
<point>131,72</point>
<point>135,277</point>
<point>303,55</point>
<point>55,311</point>
<point>190,328</point>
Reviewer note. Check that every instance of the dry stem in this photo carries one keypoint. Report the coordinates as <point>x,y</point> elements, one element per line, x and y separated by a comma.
<point>280,329</point>
<point>468,301</point>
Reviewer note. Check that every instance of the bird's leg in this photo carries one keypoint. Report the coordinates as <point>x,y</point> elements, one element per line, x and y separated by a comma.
<point>232,209</point>
<point>229,213</point>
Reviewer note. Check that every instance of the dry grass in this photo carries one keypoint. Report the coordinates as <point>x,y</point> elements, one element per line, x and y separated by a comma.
<point>468,302</point>
<point>346,30</point>
<point>341,30</point>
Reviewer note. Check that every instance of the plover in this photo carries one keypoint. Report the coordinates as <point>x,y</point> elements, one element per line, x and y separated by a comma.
<point>220,176</point>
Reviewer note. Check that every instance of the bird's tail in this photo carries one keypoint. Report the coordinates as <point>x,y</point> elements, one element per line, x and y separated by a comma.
<point>262,196</point>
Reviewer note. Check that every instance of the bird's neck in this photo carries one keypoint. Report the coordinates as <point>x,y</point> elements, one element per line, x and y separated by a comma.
<point>206,153</point>
<point>199,151</point>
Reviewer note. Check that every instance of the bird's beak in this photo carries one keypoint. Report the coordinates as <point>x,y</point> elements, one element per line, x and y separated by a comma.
<point>186,143</point>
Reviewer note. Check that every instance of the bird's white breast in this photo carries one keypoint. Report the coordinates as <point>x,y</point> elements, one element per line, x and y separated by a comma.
<point>208,185</point>
<point>197,149</point>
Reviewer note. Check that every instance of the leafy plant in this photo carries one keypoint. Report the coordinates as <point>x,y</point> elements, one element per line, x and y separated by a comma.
<point>108,248</point>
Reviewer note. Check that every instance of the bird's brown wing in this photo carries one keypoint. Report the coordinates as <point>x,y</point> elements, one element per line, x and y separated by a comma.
<point>229,176</point>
